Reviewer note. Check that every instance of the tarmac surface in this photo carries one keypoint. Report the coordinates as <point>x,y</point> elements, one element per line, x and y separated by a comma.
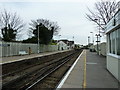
<point>89,71</point>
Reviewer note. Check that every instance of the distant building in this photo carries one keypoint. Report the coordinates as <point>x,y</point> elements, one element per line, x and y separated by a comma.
<point>62,45</point>
<point>70,44</point>
<point>90,44</point>
<point>64,40</point>
<point>113,45</point>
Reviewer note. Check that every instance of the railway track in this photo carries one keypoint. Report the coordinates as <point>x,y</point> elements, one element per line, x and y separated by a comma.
<point>10,68</point>
<point>36,74</point>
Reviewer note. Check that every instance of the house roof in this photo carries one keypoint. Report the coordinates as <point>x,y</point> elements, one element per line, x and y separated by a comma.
<point>64,40</point>
<point>67,42</point>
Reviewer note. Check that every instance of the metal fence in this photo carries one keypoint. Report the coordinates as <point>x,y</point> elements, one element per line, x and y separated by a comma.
<point>13,48</point>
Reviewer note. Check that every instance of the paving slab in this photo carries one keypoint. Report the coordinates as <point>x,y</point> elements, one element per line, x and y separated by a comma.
<point>97,75</point>
<point>75,77</point>
<point>89,72</point>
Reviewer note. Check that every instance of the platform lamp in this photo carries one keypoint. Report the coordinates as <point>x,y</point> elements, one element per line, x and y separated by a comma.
<point>38,40</point>
<point>39,25</point>
<point>98,35</point>
<point>99,25</point>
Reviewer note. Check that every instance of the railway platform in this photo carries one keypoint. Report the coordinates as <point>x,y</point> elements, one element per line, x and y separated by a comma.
<point>11,59</point>
<point>89,71</point>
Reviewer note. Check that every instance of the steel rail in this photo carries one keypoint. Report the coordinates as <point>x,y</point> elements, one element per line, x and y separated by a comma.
<point>58,66</point>
<point>56,61</point>
<point>11,73</point>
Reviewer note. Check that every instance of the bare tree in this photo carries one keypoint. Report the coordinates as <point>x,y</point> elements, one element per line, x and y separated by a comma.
<point>104,11</point>
<point>12,21</point>
<point>47,23</point>
<point>46,30</point>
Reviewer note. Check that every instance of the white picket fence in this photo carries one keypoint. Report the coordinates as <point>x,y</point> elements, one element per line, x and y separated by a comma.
<point>13,48</point>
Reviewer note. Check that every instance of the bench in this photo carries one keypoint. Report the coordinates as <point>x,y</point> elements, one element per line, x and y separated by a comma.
<point>22,53</point>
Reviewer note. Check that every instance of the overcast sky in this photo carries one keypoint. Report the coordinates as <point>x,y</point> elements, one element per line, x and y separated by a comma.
<point>70,16</point>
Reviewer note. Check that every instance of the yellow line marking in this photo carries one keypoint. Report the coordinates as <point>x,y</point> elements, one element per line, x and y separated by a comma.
<point>68,73</point>
<point>84,76</point>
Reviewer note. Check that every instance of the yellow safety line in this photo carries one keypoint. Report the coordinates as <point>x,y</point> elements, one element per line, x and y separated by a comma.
<point>84,81</point>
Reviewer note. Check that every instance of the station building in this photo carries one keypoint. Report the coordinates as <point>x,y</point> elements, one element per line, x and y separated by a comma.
<point>113,45</point>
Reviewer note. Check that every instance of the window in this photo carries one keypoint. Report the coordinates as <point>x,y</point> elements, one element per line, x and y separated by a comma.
<point>113,41</point>
<point>110,43</point>
<point>118,41</point>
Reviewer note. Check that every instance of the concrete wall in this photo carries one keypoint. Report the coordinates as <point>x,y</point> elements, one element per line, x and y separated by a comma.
<point>103,49</point>
<point>95,46</point>
<point>12,48</point>
<point>113,65</point>
<point>48,48</point>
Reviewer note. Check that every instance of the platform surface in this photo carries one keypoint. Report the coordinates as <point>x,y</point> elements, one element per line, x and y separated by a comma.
<point>10,59</point>
<point>89,72</point>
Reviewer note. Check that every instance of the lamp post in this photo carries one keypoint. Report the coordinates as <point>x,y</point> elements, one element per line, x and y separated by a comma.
<point>99,27</point>
<point>38,40</point>
<point>98,35</point>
